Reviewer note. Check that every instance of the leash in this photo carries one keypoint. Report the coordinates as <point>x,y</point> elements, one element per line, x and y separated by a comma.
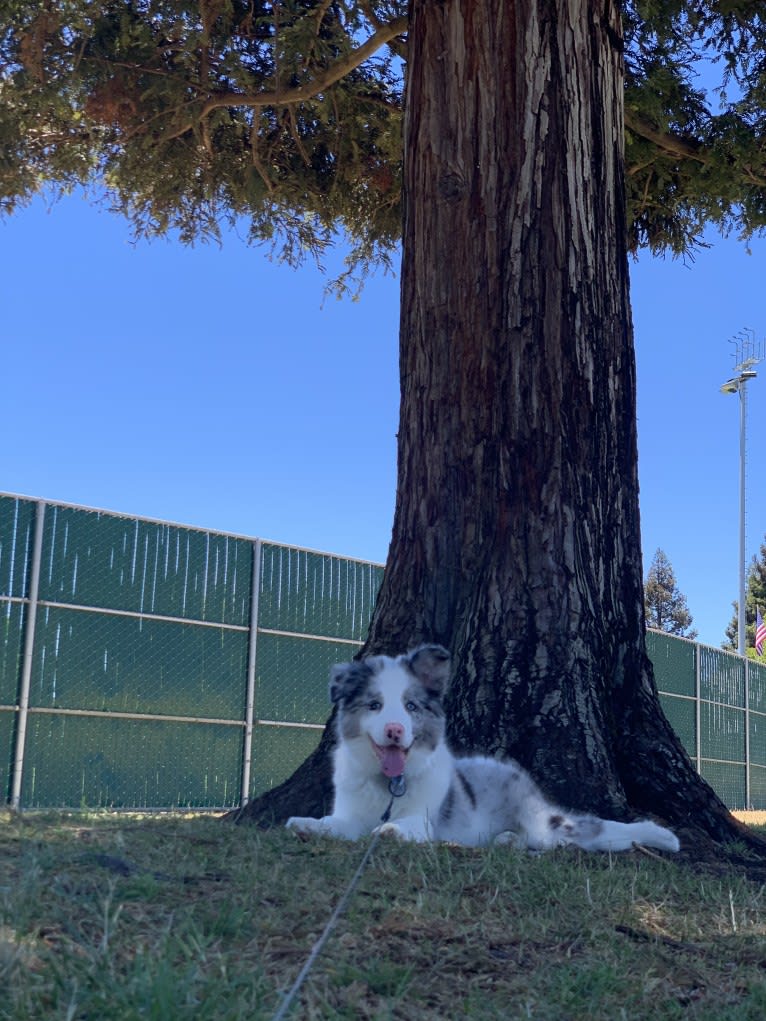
<point>396,788</point>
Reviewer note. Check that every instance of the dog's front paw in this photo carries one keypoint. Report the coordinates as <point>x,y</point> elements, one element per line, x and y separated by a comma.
<point>304,827</point>
<point>510,838</point>
<point>657,836</point>
<point>390,829</point>
<point>402,832</point>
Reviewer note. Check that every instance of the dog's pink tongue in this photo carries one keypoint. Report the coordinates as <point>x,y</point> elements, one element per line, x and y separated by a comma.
<point>392,760</point>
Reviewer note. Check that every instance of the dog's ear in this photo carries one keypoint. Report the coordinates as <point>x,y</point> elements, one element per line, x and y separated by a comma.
<point>339,674</point>
<point>431,666</point>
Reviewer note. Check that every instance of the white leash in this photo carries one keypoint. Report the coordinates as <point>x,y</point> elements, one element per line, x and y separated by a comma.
<point>397,788</point>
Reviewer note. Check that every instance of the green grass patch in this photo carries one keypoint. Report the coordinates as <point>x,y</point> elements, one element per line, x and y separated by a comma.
<point>114,917</point>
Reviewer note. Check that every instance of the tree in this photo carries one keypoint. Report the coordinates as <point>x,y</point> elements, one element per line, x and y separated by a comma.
<point>755,598</point>
<point>664,603</point>
<point>516,531</point>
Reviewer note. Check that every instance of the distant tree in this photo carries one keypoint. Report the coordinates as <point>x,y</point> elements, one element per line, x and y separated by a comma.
<point>755,596</point>
<point>665,604</point>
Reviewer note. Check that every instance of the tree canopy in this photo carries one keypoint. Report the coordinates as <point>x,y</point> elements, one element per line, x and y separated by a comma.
<point>287,113</point>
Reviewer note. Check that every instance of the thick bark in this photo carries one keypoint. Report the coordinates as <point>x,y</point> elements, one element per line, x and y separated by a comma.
<point>516,535</point>
<point>516,539</point>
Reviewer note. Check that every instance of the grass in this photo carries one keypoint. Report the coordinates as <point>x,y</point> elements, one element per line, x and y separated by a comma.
<point>111,917</point>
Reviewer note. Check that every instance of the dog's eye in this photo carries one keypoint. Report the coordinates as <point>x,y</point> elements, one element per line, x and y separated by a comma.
<point>411,707</point>
<point>374,705</point>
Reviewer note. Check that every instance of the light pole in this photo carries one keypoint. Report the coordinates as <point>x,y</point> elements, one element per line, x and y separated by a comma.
<point>746,358</point>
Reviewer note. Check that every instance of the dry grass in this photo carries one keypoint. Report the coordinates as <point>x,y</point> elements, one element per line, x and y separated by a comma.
<point>751,818</point>
<point>110,918</point>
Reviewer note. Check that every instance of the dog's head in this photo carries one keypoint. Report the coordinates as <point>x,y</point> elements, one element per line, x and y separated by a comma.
<point>394,704</point>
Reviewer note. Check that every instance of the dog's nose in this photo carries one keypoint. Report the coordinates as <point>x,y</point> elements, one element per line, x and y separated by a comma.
<point>394,732</point>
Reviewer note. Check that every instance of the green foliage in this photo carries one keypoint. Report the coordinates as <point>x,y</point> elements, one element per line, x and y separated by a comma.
<point>664,604</point>
<point>755,596</point>
<point>131,98</point>
<point>187,115</point>
<point>696,131</point>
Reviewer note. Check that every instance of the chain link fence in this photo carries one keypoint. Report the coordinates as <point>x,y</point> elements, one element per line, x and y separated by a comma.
<point>150,665</point>
<point>716,702</point>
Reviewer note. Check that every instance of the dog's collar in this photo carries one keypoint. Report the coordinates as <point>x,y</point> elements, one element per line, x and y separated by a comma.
<point>397,788</point>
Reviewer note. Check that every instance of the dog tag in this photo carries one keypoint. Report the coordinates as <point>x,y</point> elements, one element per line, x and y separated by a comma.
<point>397,786</point>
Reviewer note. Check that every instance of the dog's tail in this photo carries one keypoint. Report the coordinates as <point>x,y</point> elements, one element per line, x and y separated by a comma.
<point>621,836</point>
<point>557,828</point>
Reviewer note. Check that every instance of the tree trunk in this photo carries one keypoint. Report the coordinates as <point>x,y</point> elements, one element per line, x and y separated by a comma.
<point>516,539</point>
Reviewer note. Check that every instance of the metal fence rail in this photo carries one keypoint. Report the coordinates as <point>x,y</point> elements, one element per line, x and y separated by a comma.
<point>151,665</point>
<point>144,664</point>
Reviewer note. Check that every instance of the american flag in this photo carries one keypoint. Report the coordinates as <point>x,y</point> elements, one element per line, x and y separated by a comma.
<point>760,631</point>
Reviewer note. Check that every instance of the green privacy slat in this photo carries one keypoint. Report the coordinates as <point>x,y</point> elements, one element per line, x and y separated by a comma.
<point>11,650</point>
<point>91,660</point>
<point>103,560</point>
<point>105,763</point>
<point>757,787</point>
<point>681,714</point>
<point>316,593</point>
<point>722,732</point>
<point>17,522</point>
<point>293,677</point>
<point>278,753</point>
<point>7,725</point>
<point>728,781</point>
<point>722,676</point>
<point>673,661</point>
<point>757,739</point>
<point>757,685</point>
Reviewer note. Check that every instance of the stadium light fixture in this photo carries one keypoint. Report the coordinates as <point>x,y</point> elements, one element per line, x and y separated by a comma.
<point>747,354</point>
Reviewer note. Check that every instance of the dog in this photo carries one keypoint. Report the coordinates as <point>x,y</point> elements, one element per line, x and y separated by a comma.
<point>391,751</point>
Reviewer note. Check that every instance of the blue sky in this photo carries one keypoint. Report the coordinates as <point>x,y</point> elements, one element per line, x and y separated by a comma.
<point>215,388</point>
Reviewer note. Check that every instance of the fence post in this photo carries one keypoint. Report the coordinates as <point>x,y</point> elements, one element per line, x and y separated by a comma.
<point>255,595</point>
<point>26,663</point>
<point>748,803</point>
<point>698,703</point>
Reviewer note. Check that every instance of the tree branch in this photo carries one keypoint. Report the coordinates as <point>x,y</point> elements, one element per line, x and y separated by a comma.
<point>282,97</point>
<point>671,144</point>
<point>675,145</point>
